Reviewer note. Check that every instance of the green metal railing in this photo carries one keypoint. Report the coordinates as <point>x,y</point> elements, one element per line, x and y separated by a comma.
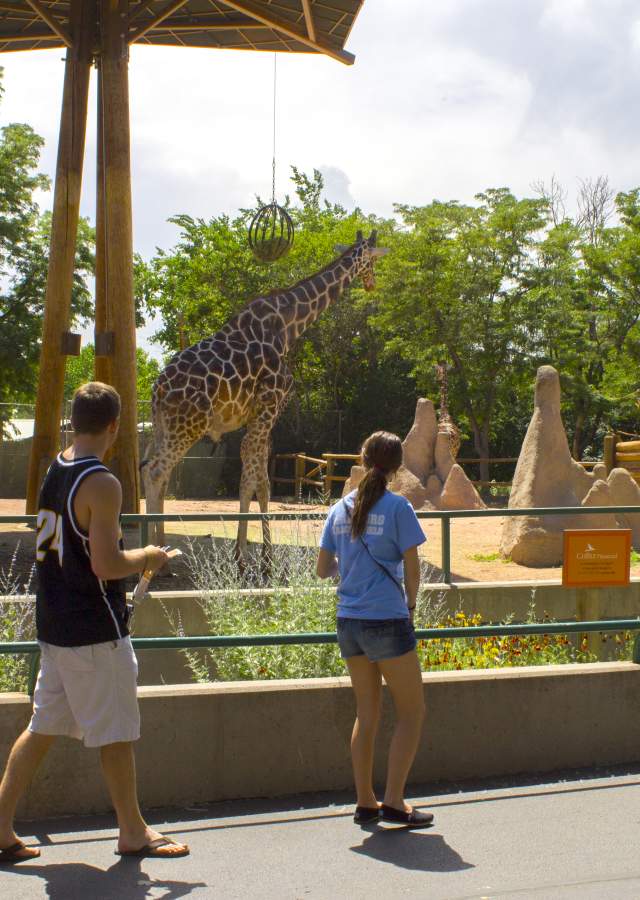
<point>262,640</point>
<point>143,520</point>
<point>329,637</point>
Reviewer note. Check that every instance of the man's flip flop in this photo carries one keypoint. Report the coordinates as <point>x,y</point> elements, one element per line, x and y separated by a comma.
<point>16,853</point>
<point>413,819</point>
<point>158,849</point>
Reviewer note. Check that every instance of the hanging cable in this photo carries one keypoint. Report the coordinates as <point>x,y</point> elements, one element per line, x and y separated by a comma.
<point>273,180</point>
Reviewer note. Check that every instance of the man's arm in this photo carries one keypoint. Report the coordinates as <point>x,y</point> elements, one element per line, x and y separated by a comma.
<point>411,577</point>
<point>100,498</point>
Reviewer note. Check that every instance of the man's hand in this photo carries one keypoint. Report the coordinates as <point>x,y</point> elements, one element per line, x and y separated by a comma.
<point>156,558</point>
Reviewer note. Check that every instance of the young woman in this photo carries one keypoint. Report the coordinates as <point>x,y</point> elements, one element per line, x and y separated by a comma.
<point>369,537</point>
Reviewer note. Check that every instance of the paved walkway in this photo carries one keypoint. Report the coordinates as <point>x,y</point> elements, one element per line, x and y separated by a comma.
<point>576,838</point>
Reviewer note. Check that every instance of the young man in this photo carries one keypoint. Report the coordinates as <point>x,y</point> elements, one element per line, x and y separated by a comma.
<point>87,683</point>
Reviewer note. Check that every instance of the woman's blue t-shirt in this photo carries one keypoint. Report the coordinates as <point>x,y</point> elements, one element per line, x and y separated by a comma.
<point>365,591</point>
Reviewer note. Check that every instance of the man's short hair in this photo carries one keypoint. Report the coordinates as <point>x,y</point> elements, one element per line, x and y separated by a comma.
<point>94,407</point>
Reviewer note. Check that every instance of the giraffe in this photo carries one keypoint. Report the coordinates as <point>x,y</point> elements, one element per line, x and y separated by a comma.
<point>446,425</point>
<point>239,377</point>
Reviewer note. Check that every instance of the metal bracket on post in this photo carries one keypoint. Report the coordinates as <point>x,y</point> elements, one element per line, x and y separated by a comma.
<point>105,343</point>
<point>70,343</point>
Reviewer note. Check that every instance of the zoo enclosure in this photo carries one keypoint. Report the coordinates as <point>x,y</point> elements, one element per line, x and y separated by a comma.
<point>142,520</point>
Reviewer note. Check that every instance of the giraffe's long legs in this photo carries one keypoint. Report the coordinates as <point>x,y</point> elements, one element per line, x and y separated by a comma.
<point>263,493</point>
<point>254,452</point>
<point>156,473</point>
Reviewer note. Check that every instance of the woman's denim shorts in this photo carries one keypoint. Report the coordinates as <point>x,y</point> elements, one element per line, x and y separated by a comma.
<point>375,638</point>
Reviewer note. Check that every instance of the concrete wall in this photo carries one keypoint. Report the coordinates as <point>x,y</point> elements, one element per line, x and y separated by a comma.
<point>495,602</point>
<point>255,739</point>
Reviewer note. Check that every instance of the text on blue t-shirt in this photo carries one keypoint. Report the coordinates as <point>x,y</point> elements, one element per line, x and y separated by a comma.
<point>366,591</point>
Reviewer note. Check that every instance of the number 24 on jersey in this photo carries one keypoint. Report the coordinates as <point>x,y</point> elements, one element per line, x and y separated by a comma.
<point>49,534</point>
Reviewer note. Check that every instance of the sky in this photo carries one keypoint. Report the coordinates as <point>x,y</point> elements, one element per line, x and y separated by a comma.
<point>445,100</point>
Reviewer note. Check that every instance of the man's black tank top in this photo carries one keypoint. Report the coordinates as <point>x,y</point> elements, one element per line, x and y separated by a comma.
<point>73,607</point>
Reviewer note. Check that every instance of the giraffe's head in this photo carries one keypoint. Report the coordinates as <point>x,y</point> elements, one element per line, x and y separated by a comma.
<point>364,254</point>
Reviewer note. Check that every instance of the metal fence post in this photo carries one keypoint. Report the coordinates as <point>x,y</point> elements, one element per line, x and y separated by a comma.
<point>445,523</point>
<point>34,668</point>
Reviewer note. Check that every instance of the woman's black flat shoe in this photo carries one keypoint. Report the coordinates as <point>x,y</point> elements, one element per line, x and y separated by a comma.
<point>366,814</point>
<point>413,819</point>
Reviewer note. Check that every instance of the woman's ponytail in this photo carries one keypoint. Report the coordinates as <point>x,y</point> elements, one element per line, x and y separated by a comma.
<point>381,456</point>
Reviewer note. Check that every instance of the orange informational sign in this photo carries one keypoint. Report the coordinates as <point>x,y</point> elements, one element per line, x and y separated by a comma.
<point>596,558</point>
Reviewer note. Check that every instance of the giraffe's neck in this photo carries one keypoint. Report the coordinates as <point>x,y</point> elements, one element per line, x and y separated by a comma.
<point>302,304</point>
<point>444,405</point>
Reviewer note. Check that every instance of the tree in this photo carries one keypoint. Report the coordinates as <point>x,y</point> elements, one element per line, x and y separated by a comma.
<point>454,289</point>
<point>339,367</point>
<point>585,301</point>
<point>24,251</point>
<point>80,369</point>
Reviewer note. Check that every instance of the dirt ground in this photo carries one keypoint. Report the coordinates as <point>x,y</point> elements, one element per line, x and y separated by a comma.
<point>474,542</point>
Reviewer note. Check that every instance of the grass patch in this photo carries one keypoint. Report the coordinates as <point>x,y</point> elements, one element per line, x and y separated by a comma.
<point>489,557</point>
<point>17,623</point>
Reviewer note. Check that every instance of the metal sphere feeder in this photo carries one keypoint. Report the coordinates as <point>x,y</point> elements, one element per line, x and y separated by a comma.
<point>271,233</point>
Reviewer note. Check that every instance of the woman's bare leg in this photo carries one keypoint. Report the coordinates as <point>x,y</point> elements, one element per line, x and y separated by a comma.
<point>402,675</point>
<point>367,685</point>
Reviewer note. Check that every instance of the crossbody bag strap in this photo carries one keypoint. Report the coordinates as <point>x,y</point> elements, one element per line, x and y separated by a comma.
<point>378,564</point>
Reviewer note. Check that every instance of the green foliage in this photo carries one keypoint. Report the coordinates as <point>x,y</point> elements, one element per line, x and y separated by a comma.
<point>454,289</point>
<point>80,369</point>
<point>339,364</point>
<point>300,602</point>
<point>17,623</point>
<point>24,253</point>
<point>494,289</point>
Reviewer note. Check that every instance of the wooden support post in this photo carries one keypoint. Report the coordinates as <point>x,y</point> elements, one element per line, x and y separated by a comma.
<point>299,474</point>
<point>118,261</point>
<point>610,451</point>
<point>104,363</point>
<point>64,227</point>
<point>328,475</point>
<point>587,610</point>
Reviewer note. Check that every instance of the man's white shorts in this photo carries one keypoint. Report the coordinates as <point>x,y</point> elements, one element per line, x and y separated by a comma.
<point>88,693</point>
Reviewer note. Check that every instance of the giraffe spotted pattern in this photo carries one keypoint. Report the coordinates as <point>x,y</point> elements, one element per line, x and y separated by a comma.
<point>239,377</point>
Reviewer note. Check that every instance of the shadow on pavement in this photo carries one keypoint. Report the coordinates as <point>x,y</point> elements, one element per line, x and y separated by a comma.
<point>412,850</point>
<point>73,881</point>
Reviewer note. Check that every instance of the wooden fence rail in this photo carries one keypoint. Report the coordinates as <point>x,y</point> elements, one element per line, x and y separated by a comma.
<point>322,474</point>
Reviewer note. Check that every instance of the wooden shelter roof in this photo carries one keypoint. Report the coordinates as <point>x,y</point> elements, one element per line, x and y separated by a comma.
<point>292,26</point>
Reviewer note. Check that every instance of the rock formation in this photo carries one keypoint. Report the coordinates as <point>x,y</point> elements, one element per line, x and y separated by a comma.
<point>458,492</point>
<point>546,475</point>
<point>429,477</point>
<point>624,491</point>
<point>419,445</point>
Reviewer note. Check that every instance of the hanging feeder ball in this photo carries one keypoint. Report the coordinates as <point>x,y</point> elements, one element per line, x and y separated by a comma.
<point>271,233</point>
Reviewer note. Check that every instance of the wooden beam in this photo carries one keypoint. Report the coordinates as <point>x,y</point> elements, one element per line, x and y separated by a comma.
<point>25,38</point>
<point>236,26</point>
<point>118,243</point>
<point>272,21</point>
<point>308,18</point>
<point>14,8</point>
<point>142,29</point>
<point>62,253</point>
<point>53,24</point>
